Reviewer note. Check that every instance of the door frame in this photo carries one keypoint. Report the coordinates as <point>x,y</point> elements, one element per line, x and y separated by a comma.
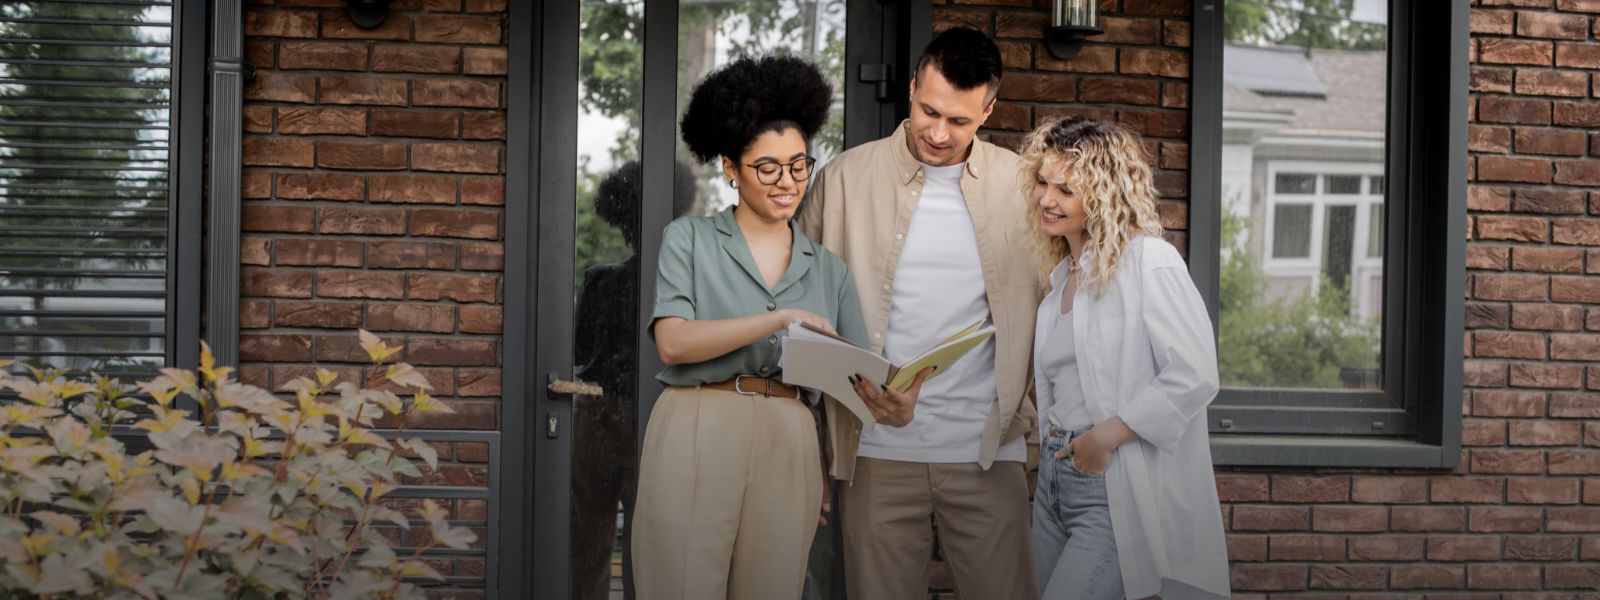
<point>541,154</point>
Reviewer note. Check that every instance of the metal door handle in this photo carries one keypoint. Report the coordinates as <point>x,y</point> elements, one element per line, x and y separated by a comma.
<point>557,386</point>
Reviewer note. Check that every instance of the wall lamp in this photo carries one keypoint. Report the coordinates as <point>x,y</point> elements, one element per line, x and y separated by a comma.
<point>367,14</point>
<point>1071,23</point>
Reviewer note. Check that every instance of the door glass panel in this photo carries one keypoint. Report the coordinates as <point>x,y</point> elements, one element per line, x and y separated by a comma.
<point>606,290</point>
<point>1304,114</point>
<point>711,34</point>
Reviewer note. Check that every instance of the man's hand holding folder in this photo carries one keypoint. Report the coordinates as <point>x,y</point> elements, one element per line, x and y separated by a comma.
<point>871,387</point>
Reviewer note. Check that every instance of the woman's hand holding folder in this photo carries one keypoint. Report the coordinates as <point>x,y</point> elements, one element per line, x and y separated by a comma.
<point>889,406</point>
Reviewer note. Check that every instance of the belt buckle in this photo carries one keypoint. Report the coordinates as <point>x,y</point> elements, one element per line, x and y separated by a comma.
<point>738,386</point>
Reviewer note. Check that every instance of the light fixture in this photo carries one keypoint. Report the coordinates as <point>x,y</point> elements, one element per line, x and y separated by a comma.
<point>367,14</point>
<point>1071,22</point>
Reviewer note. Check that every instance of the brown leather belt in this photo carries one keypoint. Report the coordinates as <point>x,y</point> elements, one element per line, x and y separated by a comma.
<point>751,385</point>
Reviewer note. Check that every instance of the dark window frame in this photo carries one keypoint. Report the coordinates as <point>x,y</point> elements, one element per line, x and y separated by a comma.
<point>1416,421</point>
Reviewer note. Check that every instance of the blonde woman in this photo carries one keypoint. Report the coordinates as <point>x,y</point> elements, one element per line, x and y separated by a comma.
<point>1124,366</point>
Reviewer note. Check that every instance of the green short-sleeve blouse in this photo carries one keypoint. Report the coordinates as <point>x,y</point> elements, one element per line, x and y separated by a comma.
<point>707,272</point>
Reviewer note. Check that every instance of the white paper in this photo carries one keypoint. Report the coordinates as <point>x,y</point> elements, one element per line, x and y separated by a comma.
<point>816,361</point>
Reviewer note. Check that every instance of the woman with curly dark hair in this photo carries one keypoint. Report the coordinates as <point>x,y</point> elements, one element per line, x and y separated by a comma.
<point>731,480</point>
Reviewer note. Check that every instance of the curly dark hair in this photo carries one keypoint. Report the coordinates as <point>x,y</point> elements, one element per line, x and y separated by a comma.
<point>965,57</point>
<point>617,198</point>
<point>748,97</point>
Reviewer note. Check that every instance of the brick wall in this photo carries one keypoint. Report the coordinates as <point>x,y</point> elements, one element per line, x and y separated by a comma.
<point>374,191</point>
<point>1521,517</point>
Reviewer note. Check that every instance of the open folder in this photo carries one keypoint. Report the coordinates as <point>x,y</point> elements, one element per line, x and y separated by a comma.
<point>823,361</point>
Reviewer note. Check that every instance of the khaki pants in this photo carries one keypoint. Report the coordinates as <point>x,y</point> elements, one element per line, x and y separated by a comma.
<point>730,488</point>
<point>984,531</point>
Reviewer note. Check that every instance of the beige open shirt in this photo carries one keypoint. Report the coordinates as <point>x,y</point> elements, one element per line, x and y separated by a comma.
<point>860,205</point>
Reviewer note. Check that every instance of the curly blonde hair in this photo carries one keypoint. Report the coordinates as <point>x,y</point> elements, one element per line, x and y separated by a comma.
<point>1105,166</point>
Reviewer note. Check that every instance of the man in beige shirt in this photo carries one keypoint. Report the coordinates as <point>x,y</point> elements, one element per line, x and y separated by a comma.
<point>932,223</point>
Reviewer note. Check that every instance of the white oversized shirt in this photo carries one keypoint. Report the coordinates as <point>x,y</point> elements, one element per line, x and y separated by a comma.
<point>938,291</point>
<point>1146,353</point>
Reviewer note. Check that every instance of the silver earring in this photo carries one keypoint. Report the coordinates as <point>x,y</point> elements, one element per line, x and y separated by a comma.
<point>733,184</point>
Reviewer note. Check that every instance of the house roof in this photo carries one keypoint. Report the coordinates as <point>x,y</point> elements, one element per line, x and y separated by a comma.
<point>1327,90</point>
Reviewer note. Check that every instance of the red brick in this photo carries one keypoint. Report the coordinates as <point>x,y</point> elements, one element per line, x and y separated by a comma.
<point>1092,59</point>
<point>1585,577</point>
<point>326,56</point>
<point>1577,172</point>
<point>458,30</point>
<point>275,283</point>
<point>1546,376</point>
<point>278,87</point>
<point>363,90</point>
<point>1503,577</point>
<point>1488,198</point>
<point>1480,490</point>
<point>1492,21</point>
<point>1484,374</point>
<point>1038,87</point>
<point>1539,82</point>
<point>1242,488</point>
<point>1575,114</point>
<point>483,126</point>
<point>1389,490</point>
<point>1426,576</point>
<point>1514,169</point>
<point>280,23</point>
<point>1575,289</point>
<point>1588,6</point>
<point>1175,33</point>
<point>1271,518</point>
<point>1490,258</point>
<point>1247,548</point>
<point>275,347</point>
<point>347,348</point>
<point>431,318</point>
<point>1575,406</point>
<point>1487,316</point>
<point>1541,548</point>
<point>1514,52</point>
<point>360,284</point>
<point>467,415</point>
<point>1505,518</point>
<point>489,191</point>
<point>452,352</point>
<point>1349,577</point>
<point>1552,25</point>
<point>255,314</point>
<point>1582,56</point>
<point>363,221</point>
<point>1490,80</point>
<point>455,223</point>
<point>1575,347</point>
<point>257,119</point>
<point>1549,201</point>
<point>1463,548</point>
<point>326,121</point>
<point>478,382</point>
<point>411,58</point>
<point>411,255</point>
<point>1503,344</point>
<point>255,251</point>
<point>277,152</point>
<point>1310,489</point>
<point>452,286</point>
<point>320,186</point>
<point>1162,63</point>
<point>1574,462</point>
<point>318,252</point>
<point>1482,138</point>
<point>337,25</point>
<point>1268,577</point>
<point>277,219</point>
<point>484,61</point>
<point>361,155</point>
<point>1008,115</point>
<point>1509,287</point>
<point>1547,260</point>
<point>1547,317</point>
<point>1574,519</point>
<point>477,318</point>
<point>1119,90</point>
<point>1387,548</point>
<point>416,189</point>
<point>1155,123</point>
<point>261,53</point>
<point>482,257</point>
<point>456,158</point>
<point>1550,141</point>
<point>1350,518</point>
<point>1507,461</point>
<point>1427,518</point>
<point>1539,490</point>
<point>1164,8</point>
<point>256,184</point>
<point>456,92</point>
<point>324,315</point>
<point>415,123</point>
<point>945,19</point>
<point>1314,548</point>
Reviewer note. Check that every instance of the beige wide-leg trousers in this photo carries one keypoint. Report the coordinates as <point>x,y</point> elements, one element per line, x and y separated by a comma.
<point>730,487</point>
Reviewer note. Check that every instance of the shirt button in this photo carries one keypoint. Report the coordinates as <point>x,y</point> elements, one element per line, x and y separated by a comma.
<point>772,306</point>
<point>877,336</point>
<point>765,369</point>
<point>899,236</point>
<point>772,341</point>
<point>885,287</point>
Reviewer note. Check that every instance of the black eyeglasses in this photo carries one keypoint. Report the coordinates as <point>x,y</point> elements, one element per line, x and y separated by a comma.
<point>768,173</point>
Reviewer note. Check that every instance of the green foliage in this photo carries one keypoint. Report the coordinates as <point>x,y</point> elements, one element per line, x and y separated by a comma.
<point>1320,24</point>
<point>257,498</point>
<point>1301,342</point>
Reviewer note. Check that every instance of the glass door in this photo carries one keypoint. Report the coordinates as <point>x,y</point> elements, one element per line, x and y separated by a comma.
<point>607,83</point>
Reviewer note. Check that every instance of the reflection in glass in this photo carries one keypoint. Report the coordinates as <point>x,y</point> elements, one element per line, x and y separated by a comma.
<point>712,34</point>
<point>85,97</point>
<point>1304,109</point>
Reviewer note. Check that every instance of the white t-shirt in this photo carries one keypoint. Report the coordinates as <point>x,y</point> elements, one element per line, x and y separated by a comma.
<point>938,290</point>
<point>1058,359</point>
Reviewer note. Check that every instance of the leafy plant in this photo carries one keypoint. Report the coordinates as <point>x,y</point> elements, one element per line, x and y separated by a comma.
<point>253,497</point>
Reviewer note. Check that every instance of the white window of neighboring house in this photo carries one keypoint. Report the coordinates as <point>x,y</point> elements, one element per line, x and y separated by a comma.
<point>1324,225</point>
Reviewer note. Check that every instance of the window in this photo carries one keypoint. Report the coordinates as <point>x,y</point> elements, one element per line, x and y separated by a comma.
<point>1336,297</point>
<point>87,185</point>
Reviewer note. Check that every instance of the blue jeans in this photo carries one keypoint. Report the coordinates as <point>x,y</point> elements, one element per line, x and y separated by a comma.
<point>1073,546</point>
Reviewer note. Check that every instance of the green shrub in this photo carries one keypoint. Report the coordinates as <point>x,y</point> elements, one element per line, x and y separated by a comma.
<point>254,497</point>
